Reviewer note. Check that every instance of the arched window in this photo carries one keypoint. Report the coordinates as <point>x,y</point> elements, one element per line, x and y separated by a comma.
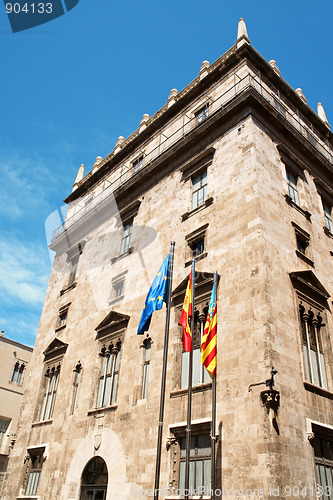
<point>94,480</point>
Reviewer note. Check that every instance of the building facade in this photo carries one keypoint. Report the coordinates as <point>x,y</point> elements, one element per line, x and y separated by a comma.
<point>237,170</point>
<point>14,358</point>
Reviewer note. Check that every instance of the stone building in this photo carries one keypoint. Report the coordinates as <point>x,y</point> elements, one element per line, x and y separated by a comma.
<point>237,170</point>
<point>14,359</point>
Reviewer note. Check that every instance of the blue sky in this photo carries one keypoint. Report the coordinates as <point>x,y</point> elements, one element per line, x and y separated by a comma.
<point>72,86</point>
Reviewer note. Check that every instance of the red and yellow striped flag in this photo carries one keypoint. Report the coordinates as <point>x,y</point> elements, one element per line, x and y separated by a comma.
<point>209,338</point>
<point>185,315</point>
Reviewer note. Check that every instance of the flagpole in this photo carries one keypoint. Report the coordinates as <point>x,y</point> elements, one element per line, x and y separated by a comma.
<point>213,437</point>
<point>189,397</point>
<point>164,369</point>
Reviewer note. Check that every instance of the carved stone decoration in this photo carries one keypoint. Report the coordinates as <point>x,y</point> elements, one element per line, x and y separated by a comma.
<point>97,441</point>
<point>311,437</point>
<point>170,441</point>
<point>271,399</point>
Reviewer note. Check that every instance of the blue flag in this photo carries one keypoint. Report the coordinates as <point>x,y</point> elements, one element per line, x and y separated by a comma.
<point>158,293</point>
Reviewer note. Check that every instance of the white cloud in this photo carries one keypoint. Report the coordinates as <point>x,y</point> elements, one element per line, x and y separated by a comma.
<point>24,273</point>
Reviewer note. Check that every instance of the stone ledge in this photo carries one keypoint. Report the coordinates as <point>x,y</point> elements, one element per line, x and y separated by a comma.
<point>290,202</point>
<point>206,204</point>
<point>304,258</point>
<point>70,287</point>
<point>317,390</point>
<point>39,424</point>
<point>95,411</point>
<point>197,388</point>
<point>199,257</point>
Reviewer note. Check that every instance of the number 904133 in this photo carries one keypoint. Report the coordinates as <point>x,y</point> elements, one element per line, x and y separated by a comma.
<point>29,8</point>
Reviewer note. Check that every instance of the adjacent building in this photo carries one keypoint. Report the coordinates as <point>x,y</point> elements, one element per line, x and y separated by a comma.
<point>14,360</point>
<point>237,169</point>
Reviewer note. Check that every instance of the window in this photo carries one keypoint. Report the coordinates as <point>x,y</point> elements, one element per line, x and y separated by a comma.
<point>202,114</point>
<point>323,452</point>
<point>4,424</point>
<point>127,234</point>
<point>303,244</point>
<point>76,381</point>
<point>52,381</point>
<point>199,195</point>
<point>74,262</point>
<point>195,244</point>
<point>146,365</point>
<point>138,164</point>
<point>17,372</point>
<point>292,187</point>
<point>94,480</point>
<point>199,373</point>
<point>198,247</point>
<point>200,464</point>
<point>312,326</point>
<point>328,216</point>
<point>63,318</point>
<point>108,382</point>
<point>36,460</point>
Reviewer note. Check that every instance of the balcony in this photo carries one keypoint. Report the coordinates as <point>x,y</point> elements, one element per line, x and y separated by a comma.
<point>187,124</point>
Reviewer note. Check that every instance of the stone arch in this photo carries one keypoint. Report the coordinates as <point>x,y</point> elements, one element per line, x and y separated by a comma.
<point>106,445</point>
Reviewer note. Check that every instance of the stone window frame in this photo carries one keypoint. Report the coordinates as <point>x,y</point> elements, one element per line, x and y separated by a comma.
<point>177,432</point>
<point>73,260</point>
<point>319,431</point>
<point>118,284</point>
<point>191,240</point>
<point>17,373</point>
<point>296,168</point>
<point>4,429</point>
<point>312,325</point>
<point>303,248</point>
<point>190,170</point>
<point>33,471</point>
<point>110,349</point>
<point>53,359</point>
<point>125,218</point>
<point>311,295</point>
<point>62,317</point>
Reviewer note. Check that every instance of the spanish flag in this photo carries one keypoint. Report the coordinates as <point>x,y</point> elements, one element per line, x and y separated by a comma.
<point>185,315</point>
<point>209,338</point>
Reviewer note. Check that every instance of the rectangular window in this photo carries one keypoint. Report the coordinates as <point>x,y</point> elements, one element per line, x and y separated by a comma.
<point>199,372</point>
<point>328,216</point>
<point>35,470</point>
<point>202,114</point>
<point>199,195</point>
<point>292,187</point>
<point>200,464</point>
<point>52,380</point>
<point>4,424</point>
<point>312,329</point>
<point>323,451</point>
<point>147,348</point>
<point>63,318</point>
<point>108,382</point>
<point>127,234</point>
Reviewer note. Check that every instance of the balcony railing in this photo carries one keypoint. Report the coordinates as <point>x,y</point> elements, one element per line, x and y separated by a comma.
<point>165,140</point>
